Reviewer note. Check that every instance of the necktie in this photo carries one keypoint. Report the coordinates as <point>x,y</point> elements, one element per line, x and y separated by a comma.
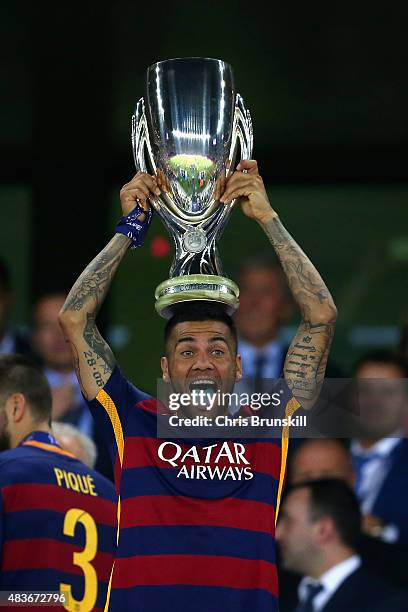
<point>259,371</point>
<point>307,604</point>
<point>359,462</point>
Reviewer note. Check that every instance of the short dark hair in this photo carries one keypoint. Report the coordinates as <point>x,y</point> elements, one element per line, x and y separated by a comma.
<point>341,443</point>
<point>199,311</point>
<point>384,357</point>
<point>19,374</point>
<point>333,498</point>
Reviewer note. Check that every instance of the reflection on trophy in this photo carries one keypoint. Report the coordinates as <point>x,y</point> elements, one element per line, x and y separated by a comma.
<point>191,131</point>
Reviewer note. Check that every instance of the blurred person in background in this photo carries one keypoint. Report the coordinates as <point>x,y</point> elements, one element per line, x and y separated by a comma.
<point>55,357</point>
<point>57,516</point>
<point>10,340</point>
<point>380,452</point>
<point>318,459</point>
<point>74,441</point>
<point>318,532</point>
<point>265,305</point>
<point>402,350</point>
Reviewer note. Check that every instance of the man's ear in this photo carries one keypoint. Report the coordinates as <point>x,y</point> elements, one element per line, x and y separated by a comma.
<point>164,363</point>
<point>325,531</point>
<point>238,363</point>
<point>16,406</point>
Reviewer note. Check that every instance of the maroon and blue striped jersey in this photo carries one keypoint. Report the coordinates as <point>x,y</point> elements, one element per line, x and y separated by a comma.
<point>196,518</point>
<point>58,524</point>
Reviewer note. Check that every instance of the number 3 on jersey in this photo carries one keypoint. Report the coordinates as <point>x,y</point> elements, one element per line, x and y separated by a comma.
<point>83,560</point>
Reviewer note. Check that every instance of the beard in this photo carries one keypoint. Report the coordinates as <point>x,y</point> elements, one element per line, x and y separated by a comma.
<point>5,441</point>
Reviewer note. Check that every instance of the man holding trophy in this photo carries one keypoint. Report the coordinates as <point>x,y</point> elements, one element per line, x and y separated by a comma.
<point>186,542</point>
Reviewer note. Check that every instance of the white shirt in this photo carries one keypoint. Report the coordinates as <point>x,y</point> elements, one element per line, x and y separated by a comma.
<point>374,472</point>
<point>273,358</point>
<point>330,581</point>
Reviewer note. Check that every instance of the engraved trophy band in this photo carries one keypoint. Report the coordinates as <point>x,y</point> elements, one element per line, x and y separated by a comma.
<point>192,129</point>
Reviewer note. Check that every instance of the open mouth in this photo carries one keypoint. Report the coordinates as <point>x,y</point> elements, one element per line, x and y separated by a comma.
<point>205,385</point>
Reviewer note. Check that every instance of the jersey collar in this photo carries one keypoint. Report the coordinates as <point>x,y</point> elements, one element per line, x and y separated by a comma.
<point>45,441</point>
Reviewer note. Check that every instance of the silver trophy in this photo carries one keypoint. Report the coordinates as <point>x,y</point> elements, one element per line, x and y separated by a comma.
<point>192,131</point>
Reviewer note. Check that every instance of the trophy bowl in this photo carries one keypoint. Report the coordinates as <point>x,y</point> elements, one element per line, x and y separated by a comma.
<point>190,133</point>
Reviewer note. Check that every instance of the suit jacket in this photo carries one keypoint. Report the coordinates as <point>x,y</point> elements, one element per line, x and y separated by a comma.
<point>391,504</point>
<point>383,561</point>
<point>333,370</point>
<point>19,344</point>
<point>363,592</point>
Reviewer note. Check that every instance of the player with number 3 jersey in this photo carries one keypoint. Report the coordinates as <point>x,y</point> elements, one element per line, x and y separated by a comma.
<point>57,515</point>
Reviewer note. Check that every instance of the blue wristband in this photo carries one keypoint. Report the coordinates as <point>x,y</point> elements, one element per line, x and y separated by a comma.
<point>133,228</point>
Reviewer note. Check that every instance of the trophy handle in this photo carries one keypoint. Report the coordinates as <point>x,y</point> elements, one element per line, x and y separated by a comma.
<point>242,133</point>
<point>141,141</point>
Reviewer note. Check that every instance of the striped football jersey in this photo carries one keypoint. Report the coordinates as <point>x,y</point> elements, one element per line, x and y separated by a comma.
<point>58,524</point>
<point>196,519</point>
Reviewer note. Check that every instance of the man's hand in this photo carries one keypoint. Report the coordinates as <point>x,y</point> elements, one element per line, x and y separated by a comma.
<point>141,187</point>
<point>372,525</point>
<point>247,185</point>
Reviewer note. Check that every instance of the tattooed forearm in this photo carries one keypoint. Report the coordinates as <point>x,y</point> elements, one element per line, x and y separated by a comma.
<point>92,358</point>
<point>98,356</point>
<point>101,349</point>
<point>75,363</point>
<point>91,287</point>
<point>306,284</point>
<point>306,360</point>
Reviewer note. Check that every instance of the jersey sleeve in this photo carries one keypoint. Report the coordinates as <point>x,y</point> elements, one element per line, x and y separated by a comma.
<point>110,410</point>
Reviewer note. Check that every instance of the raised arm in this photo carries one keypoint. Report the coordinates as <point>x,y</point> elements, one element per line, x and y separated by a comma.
<point>92,357</point>
<point>306,360</point>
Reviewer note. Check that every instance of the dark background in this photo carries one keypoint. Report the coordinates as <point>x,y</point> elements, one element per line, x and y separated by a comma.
<point>327,88</point>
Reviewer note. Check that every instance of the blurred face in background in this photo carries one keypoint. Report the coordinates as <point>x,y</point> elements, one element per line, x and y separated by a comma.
<point>295,532</point>
<point>264,305</point>
<point>72,445</point>
<point>317,459</point>
<point>382,399</point>
<point>48,340</point>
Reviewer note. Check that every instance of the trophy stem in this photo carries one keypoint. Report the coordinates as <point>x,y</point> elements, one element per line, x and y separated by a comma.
<point>196,287</point>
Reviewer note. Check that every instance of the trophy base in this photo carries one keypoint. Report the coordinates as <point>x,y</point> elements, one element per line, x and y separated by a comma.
<point>196,287</point>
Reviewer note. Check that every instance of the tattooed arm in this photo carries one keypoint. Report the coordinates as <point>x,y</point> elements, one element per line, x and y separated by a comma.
<point>92,357</point>
<point>306,359</point>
